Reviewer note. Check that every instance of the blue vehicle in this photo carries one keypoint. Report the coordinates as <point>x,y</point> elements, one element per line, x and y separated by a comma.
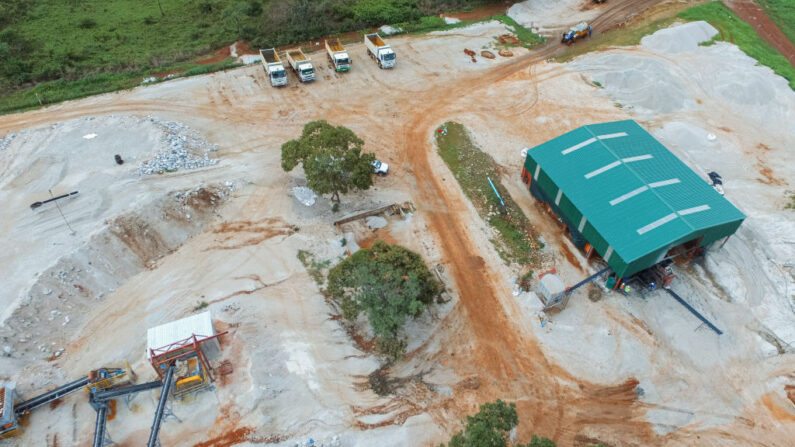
<point>577,32</point>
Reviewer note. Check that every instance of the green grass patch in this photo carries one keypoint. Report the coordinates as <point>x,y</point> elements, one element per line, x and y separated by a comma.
<point>313,266</point>
<point>52,92</point>
<point>782,12</point>
<point>516,241</point>
<point>732,29</point>
<point>112,44</point>
<point>529,39</point>
<point>429,24</point>
<point>623,37</point>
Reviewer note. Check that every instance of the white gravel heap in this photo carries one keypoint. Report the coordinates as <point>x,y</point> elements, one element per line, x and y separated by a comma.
<point>4,142</point>
<point>305,195</point>
<point>679,38</point>
<point>652,83</point>
<point>186,149</point>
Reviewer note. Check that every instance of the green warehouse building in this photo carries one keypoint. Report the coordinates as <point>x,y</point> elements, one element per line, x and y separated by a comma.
<point>623,194</point>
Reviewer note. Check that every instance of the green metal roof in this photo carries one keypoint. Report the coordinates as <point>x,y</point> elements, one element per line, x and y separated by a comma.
<point>630,188</point>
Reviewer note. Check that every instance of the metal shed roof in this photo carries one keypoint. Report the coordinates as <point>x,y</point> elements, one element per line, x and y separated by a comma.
<point>633,191</point>
<point>200,325</point>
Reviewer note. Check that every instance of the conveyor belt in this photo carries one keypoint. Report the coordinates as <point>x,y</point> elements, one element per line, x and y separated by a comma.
<point>693,311</point>
<point>99,427</point>
<point>50,396</point>
<point>168,382</point>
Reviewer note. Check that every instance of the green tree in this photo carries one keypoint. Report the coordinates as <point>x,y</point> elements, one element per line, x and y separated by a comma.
<point>491,427</point>
<point>234,13</point>
<point>380,12</point>
<point>388,283</point>
<point>332,158</point>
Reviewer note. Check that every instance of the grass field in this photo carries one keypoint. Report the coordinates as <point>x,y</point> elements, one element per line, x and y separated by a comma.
<point>516,241</point>
<point>54,50</point>
<point>782,12</point>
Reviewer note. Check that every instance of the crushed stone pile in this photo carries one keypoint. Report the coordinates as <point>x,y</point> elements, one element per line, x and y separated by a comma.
<point>305,195</point>
<point>652,83</point>
<point>679,38</point>
<point>4,142</point>
<point>186,150</point>
<point>333,442</point>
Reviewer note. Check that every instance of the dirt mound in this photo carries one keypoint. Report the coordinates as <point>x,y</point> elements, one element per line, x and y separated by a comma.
<point>487,54</point>
<point>506,53</point>
<point>509,38</point>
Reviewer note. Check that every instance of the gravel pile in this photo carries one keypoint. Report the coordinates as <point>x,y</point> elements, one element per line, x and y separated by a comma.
<point>4,142</point>
<point>185,149</point>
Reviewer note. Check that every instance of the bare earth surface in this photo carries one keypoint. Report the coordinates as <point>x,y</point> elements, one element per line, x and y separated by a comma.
<point>752,13</point>
<point>629,371</point>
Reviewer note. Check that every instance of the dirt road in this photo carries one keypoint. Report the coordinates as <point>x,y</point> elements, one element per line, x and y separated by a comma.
<point>753,14</point>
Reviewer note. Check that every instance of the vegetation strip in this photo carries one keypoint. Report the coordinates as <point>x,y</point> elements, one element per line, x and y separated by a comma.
<point>516,241</point>
<point>57,50</point>
<point>782,12</point>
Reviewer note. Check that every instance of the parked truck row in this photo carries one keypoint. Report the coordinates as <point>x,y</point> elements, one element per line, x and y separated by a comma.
<point>377,49</point>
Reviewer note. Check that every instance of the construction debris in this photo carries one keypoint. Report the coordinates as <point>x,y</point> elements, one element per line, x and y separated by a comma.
<point>305,195</point>
<point>186,150</point>
<point>4,142</point>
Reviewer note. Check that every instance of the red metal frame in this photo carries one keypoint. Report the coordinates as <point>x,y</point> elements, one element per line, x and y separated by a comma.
<point>169,354</point>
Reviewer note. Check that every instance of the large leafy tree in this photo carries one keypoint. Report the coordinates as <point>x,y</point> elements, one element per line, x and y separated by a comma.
<point>387,283</point>
<point>491,427</point>
<point>332,158</point>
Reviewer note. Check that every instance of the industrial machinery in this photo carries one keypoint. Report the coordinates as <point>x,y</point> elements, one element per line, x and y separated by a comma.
<point>579,31</point>
<point>10,412</point>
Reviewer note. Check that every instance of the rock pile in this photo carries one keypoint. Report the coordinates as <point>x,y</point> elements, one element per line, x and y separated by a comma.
<point>4,142</point>
<point>333,442</point>
<point>185,149</point>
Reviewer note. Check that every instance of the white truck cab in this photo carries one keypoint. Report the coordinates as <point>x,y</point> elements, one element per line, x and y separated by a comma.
<point>379,50</point>
<point>273,67</point>
<point>302,65</point>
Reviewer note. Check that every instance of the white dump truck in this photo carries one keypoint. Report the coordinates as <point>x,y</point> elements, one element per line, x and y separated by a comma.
<point>379,50</point>
<point>337,55</point>
<point>301,64</point>
<point>273,66</point>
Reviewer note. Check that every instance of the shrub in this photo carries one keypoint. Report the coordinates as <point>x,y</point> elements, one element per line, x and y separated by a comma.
<point>379,12</point>
<point>87,23</point>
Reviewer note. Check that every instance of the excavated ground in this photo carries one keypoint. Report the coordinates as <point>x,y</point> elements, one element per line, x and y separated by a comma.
<point>623,371</point>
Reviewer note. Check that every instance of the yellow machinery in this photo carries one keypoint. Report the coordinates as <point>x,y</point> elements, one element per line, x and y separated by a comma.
<point>191,377</point>
<point>110,377</point>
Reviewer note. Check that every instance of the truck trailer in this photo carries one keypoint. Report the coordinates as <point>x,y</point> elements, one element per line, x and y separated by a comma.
<point>273,67</point>
<point>301,64</point>
<point>379,50</point>
<point>337,55</point>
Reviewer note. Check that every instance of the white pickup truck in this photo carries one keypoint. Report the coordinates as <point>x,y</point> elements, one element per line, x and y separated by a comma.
<point>379,50</point>
<point>273,66</point>
<point>301,64</point>
<point>337,55</point>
